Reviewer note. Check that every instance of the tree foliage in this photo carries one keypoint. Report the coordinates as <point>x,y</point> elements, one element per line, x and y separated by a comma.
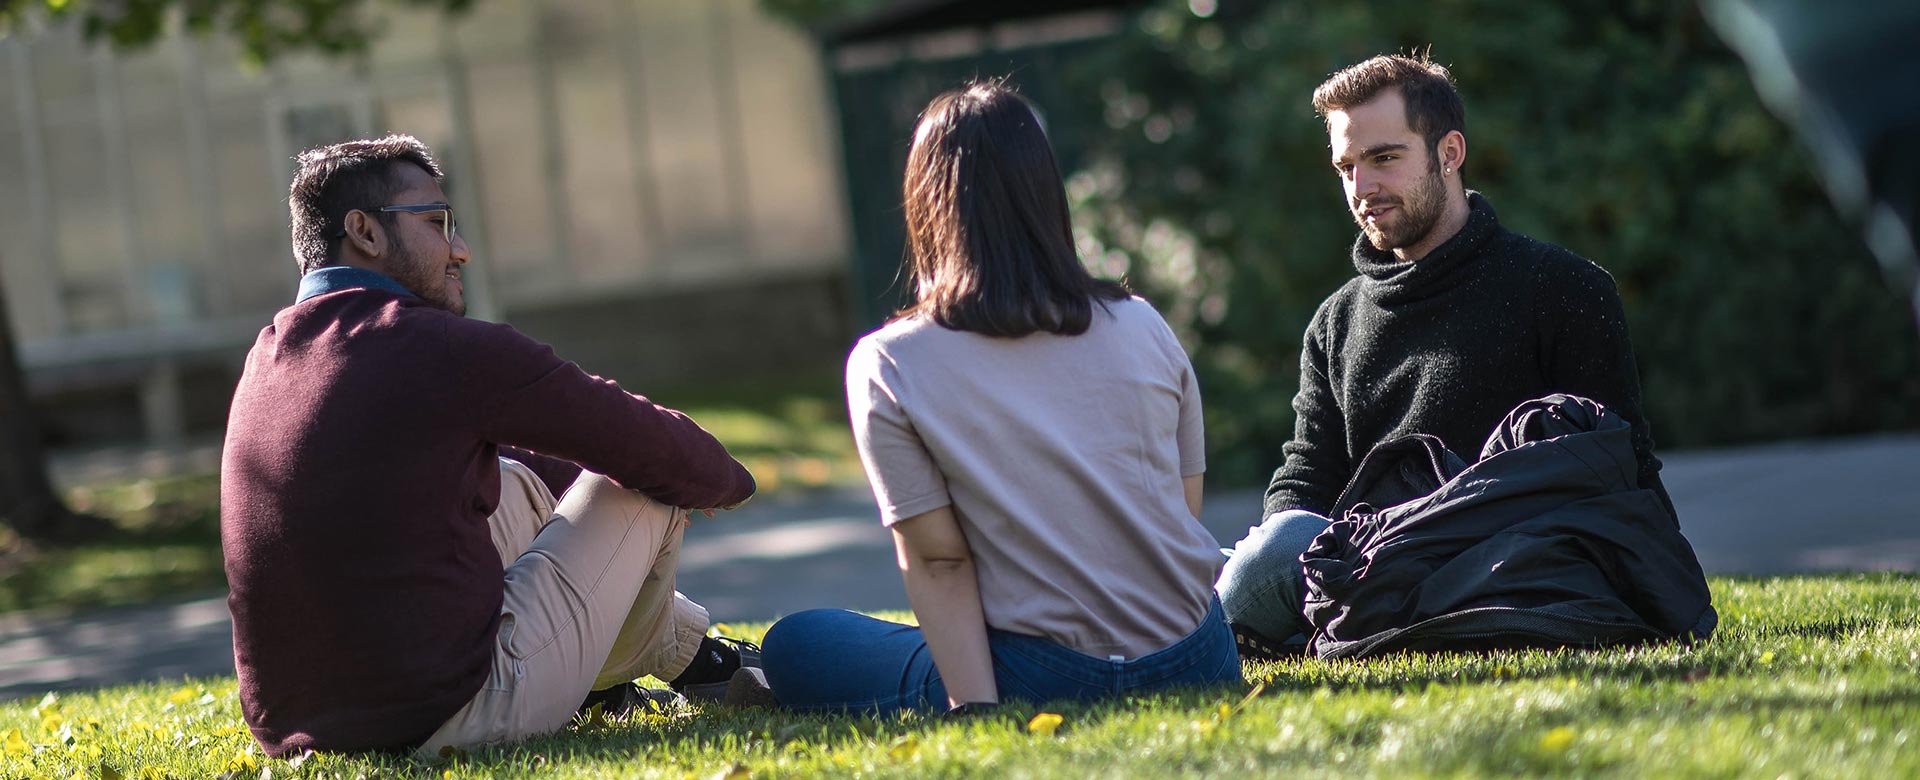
<point>264,29</point>
<point>1623,131</point>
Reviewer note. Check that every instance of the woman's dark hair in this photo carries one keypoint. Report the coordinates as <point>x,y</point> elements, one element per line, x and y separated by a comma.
<point>989,241</point>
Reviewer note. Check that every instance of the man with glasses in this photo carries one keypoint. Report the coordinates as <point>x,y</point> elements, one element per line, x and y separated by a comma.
<point>437,532</point>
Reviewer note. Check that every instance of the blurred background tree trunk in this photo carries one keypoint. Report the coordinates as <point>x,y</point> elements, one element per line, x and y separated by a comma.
<point>27,500</point>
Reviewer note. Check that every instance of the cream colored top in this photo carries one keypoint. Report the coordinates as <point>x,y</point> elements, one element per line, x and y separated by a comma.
<point>1062,457</point>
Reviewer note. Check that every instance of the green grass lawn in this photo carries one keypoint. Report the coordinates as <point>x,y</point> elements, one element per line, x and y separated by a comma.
<point>1814,677</point>
<point>790,434</point>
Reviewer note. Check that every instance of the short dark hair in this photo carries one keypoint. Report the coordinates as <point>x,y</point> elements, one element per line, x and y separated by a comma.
<point>1434,108</point>
<point>333,180</point>
<point>989,237</point>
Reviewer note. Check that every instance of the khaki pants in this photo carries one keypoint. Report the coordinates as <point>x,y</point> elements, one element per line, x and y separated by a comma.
<point>589,603</point>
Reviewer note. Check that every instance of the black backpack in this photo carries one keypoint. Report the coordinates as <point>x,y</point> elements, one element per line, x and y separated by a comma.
<point>1546,541</point>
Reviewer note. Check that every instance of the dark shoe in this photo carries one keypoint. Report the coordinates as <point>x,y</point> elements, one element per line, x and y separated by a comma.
<point>749,652</point>
<point>728,656</point>
<point>628,697</point>
<point>749,688</point>
<point>1255,646</point>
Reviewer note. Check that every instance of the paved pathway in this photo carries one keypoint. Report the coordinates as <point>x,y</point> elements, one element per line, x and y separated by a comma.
<point>1807,506</point>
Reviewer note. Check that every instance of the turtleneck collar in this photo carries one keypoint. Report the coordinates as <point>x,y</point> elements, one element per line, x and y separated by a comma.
<point>1390,280</point>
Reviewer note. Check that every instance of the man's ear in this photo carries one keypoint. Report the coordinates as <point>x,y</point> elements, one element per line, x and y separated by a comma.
<point>1453,152</point>
<point>365,236</point>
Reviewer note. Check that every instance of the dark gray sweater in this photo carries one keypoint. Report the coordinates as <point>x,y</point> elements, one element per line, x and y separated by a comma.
<point>1447,346</point>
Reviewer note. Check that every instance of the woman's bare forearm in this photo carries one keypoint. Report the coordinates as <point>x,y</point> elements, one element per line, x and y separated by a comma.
<point>944,589</point>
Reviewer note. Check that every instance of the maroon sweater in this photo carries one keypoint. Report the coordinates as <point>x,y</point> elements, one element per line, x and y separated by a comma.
<point>359,471</point>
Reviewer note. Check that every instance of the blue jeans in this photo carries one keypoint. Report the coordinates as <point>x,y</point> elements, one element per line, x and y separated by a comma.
<point>833,659</point>
<point>1263,586</point>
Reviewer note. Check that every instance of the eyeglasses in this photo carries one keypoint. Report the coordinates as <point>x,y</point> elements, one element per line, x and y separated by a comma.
<point>448,229</point>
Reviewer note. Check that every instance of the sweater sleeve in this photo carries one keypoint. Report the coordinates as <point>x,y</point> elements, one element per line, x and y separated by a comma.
<point>1590,354</point>
<point>532,399</point>
<point>1316,465</point>
<point>556,474</point>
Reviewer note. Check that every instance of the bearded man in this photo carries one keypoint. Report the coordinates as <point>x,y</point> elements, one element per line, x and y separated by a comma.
<point>1452,321</point>
<point>437,532</point>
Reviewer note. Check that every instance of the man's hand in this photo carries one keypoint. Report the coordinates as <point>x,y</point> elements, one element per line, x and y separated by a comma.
<point>727,508</point>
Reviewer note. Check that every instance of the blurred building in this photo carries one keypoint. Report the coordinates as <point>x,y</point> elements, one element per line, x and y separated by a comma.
<point>653,186</point>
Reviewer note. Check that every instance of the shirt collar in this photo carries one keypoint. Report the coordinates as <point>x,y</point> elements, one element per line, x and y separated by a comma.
<point>335,278</point>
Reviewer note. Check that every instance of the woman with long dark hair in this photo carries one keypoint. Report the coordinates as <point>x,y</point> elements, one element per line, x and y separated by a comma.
<point>1033,437</point>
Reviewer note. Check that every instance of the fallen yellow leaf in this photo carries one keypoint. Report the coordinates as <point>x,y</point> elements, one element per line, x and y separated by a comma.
<point>14,743</point>
<point>1044,724</point>
<point>904,749</point>
<point>1557,740</point>
<point>182,696</point>
<point>242,762</point>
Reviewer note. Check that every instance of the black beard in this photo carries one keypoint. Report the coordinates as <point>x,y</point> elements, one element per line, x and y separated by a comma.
<point>1420,211</point>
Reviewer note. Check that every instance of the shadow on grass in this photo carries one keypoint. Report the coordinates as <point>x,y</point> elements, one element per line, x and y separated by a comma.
<point>99,576</point>
<point>750,735</point>
<point>163,541</point>
<point>1829,629</point>
<point>1730,652</point>
<point>754,737</point>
